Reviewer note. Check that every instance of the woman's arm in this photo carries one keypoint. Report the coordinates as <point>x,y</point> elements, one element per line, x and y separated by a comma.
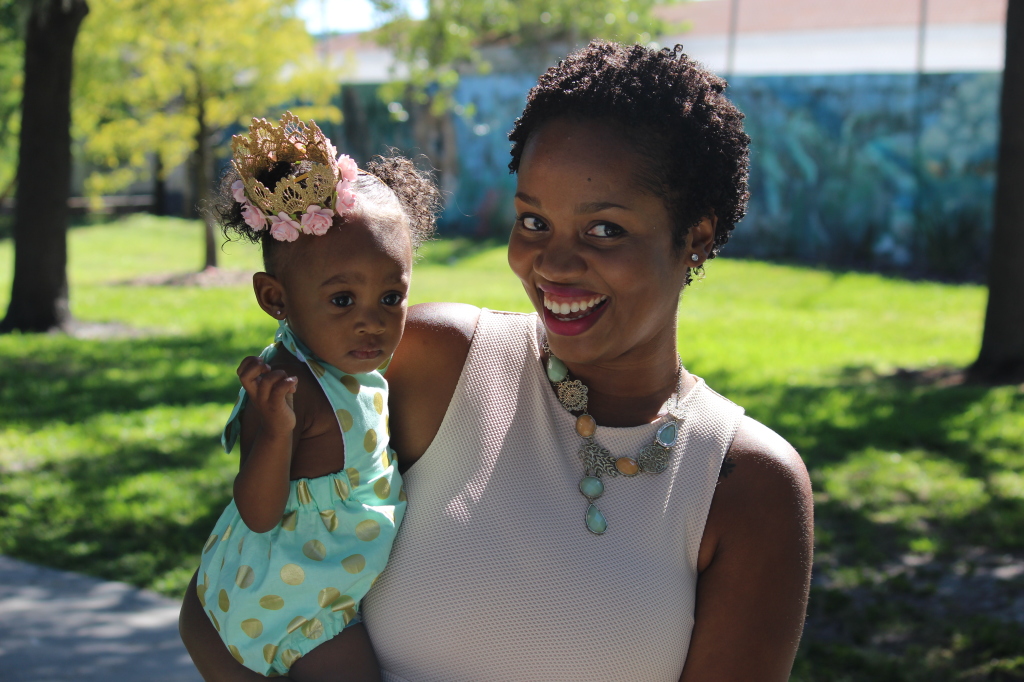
<point>424,373</point>
<point>754,563</point>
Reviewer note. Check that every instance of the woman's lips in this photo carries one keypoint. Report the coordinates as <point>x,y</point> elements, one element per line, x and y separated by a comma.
<point>588,310</point>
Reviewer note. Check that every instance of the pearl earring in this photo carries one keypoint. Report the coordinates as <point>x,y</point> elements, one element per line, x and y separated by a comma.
<point>694,257</point>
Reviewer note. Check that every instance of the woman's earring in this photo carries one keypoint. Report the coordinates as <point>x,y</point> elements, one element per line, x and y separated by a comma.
<point>694,257</point>
<point>279,313</point>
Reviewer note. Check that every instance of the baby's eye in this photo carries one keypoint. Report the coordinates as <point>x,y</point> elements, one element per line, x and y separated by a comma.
<point>391,298</point>
<point>532,223</point>
<point>606,230</point>
<point>342,300</point>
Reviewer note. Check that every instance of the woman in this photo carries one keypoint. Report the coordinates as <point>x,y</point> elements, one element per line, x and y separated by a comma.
<point>671,541</point>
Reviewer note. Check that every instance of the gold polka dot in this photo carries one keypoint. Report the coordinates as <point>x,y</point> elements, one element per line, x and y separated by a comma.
<point>367,530</point>
<point>240,543</point>
<point>345,419</point>
<point>343,603</point>
<point>315,550</point>
<point>329,517</point>
<point>347,616</point>
<point>385,461</point>
<point>269,651</point>
<point>383,488</point>
<point>370,440</point>
<point>317,368</point>
<point>354,564</point>
<point>378,402</point>
<point>292,574</point>
<point>350,383</point>
<point>234,653</point>
<point>252,627</point>
<point>383,368</point>
<point>341,487</point>
<point>296,623</point>
<point>223,560</point>
<point>209,543</point>
<point>328,596</point>
<point>302,493</point>
<point>289,520</point>
<point>201,593</point>
<point>353,475</point>
<point>289,657</point>
<point>272,602</point>
<point>374,581</point>
<point>313,629</point>
<point>402,497</point>
<point>214,619</point>
<point>222,601</point>
<point>244,576</point>
<point>387,424</point>
<point>227,534</point>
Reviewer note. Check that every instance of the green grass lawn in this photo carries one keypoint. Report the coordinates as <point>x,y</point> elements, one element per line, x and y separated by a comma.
<point>110,464</point>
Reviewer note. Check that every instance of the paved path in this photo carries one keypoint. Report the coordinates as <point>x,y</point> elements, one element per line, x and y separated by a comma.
<point>57,626</point>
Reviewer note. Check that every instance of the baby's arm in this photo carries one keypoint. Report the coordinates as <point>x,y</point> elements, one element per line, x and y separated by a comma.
<point>268,440</point>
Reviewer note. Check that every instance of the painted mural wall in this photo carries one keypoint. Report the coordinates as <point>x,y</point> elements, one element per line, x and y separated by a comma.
<point>887,172</point>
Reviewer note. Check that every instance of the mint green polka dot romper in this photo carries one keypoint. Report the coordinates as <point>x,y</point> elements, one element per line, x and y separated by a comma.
<point>275,596</point>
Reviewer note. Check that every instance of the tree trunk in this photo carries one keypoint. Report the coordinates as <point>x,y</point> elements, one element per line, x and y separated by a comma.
<point>159,206</point>
<point>1002,348</point>
<point>39,293</point>
<point>202,175</point>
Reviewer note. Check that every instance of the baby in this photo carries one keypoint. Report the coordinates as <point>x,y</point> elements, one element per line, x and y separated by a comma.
<point>318,497</point>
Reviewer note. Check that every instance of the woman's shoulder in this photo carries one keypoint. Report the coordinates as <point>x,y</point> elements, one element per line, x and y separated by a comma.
<point>763,485</point>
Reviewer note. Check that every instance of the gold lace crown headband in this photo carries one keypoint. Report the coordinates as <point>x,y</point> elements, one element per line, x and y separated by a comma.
<point>300,204</point>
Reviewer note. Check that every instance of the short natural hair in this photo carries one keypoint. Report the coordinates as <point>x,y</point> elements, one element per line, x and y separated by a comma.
<point>672,109</point>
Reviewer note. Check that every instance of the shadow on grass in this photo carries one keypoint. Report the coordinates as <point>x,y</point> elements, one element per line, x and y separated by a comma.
<point>898,468</point>
<point>906,473</point>
<point>61,379</point>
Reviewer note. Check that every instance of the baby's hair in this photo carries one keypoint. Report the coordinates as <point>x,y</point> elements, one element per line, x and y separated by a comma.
<point>675,113</point>
<point>388,179</point>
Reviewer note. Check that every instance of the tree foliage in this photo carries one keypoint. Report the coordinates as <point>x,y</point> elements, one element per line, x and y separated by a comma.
<point>12,49</point>
<point>452,39</point>
<point>167,77</point>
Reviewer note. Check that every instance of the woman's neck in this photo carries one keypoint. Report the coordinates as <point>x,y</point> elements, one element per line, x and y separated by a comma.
<point>631,390</point>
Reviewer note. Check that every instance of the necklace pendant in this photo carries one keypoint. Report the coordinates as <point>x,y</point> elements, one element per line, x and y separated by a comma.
<point>591,487</point>
<point>627,466</point>
<point>595,520</point>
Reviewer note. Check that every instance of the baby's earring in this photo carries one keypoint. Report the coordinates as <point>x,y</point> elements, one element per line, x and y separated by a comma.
<point>694,257</point>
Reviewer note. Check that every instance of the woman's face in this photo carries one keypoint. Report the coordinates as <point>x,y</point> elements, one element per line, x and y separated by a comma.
<point>593,248</point>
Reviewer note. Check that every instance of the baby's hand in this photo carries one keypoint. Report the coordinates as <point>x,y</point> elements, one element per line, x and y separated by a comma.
<point>271,393</point>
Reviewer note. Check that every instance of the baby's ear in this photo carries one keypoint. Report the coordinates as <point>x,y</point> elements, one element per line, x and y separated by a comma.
<point>270,295</point>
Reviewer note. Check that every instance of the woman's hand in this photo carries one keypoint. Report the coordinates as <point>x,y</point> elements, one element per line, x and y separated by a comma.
<point>270,391</point>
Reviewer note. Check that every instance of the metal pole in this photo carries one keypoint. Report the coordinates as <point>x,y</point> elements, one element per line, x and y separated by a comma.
<point>730,45</point>
<point>918,122</point>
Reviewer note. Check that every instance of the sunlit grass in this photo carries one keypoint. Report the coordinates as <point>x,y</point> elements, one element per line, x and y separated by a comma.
<point>110,463</point>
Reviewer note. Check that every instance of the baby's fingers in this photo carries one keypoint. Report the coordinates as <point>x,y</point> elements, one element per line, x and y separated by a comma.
<point>271,387</point>
<point>249,372</point>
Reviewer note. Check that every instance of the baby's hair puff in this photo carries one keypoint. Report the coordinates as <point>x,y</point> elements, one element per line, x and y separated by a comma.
<point>284,181</point>
<point>674,112</point>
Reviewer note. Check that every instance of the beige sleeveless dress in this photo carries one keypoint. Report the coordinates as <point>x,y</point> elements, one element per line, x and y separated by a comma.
<point>494,577</point>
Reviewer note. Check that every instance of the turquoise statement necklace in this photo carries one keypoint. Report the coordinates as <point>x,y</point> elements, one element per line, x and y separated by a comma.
<point>597,460</point>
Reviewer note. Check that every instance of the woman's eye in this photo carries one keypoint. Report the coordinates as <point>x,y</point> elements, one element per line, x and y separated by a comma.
<point>342,300</point>
<point>393,298</point>
<point>532,223</point>
<point>606,230</point>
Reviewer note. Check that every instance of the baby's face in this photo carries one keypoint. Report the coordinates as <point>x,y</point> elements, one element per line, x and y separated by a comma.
<point>346,291</point>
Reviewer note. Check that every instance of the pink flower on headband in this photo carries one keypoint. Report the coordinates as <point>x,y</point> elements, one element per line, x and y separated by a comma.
<point>347,167</point>
<point>238,191</point>
<point>316,220</point>
<point>283,228</point>
<point>346,197</point>
<point>254,217</point>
